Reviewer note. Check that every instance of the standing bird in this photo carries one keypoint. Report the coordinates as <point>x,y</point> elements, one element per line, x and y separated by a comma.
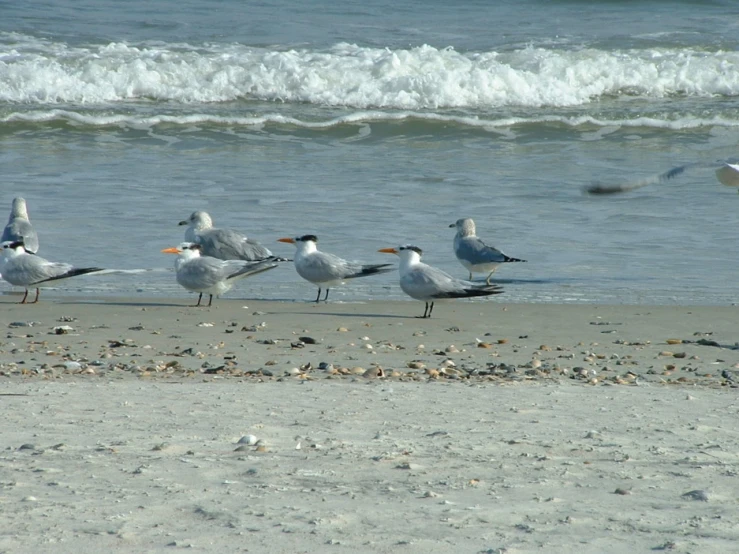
<point>224,244</point>
<point>474,254</point>
<point>324,269</point>
<point>205,274</point>
<point>19,227</point>
<point>427,283</point>
<point>28,270</point>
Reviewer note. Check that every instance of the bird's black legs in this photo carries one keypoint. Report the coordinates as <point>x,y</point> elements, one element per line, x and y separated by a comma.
<point>36,299</point>
<point>325,298</point>
<point>24,298</point>
<point>427,311</point>
<point>199,299</point>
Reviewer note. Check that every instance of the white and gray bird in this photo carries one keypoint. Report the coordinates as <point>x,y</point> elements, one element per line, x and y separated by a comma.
<point>30,271</point>
<point>430,284</point>
<point>474,254</point>
<point>224,244</point>
<point>19,227</point>
<point>727,173</point>
<point>326,270</point>
<point>205,274</point>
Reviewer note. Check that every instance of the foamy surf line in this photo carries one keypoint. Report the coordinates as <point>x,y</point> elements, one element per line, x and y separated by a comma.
<point>79,119</point>
<point>347,75</point>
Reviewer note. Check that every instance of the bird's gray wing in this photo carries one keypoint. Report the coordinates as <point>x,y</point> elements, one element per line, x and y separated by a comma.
<point>227,244</point>
<point>474,251</point>
<point>30,270</point>
<point>247,269</point>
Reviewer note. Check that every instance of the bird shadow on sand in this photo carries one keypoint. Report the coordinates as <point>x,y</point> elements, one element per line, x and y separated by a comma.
<point>349,314</point>
<point>123,303</point>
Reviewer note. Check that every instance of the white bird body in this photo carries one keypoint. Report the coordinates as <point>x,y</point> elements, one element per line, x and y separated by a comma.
<point>327,270</point>
<point>28,270</point>
<point>430,284</point>
<point>473,253</point>
<point>224,244</point>
<point>208,275</point>
<point>19,227</point>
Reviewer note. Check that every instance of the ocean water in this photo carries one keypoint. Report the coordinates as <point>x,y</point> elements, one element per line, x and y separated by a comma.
<point>373,124</point>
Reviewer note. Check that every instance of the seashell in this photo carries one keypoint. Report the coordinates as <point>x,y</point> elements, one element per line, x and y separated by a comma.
<point>249,440</point>
<point>374,373</point>
<point>416,365</point>
<point>342,330</point>
<point>674,341</point>
<point>484,345</point>
<point>502,341</point>
<point>451,348</point>
<point>358,370</point>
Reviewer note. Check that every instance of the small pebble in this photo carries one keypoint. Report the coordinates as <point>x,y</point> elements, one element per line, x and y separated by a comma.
<point>697,494</point>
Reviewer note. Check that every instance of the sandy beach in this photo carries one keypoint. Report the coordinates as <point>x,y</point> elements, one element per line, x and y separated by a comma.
<point>145,425</point>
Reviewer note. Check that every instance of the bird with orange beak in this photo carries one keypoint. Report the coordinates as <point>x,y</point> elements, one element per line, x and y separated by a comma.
<point>326,270</point>
<point>204,274</point>
<point>430,284</point>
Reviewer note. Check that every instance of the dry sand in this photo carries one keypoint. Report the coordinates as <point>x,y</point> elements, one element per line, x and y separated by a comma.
<point>494,428</point>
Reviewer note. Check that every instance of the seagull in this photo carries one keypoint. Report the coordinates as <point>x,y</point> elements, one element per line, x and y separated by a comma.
<point>324,269</point>
<point>205,274</point>
<point>474,254</point>
<point>19,227</point>
<point>28,270</point>
<point>224,244</point>
<point>424,282</point>
<point>727,173</point>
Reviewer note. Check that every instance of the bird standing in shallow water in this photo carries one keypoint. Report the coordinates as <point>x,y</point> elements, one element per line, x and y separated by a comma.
<point>474,254</point>
<point>429,284</point>
<point>324,269</point>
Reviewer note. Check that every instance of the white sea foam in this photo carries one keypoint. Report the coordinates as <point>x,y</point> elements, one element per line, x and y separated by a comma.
<point>34,71</point>
<point>356,118</point>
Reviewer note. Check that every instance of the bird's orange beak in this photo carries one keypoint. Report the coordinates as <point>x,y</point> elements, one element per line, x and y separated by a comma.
<point>173,250</point>
<point>388,250</point>
<point>286,239</point>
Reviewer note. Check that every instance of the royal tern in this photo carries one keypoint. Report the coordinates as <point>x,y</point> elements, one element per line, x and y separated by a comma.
<point>326,270</point>
<point>224,244</point>
<point>474,254</point>
<point>19,227</point>
<point>727,173</point>
<point>205,274</point>
<point>427,283</point>
<point>28,270</point>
